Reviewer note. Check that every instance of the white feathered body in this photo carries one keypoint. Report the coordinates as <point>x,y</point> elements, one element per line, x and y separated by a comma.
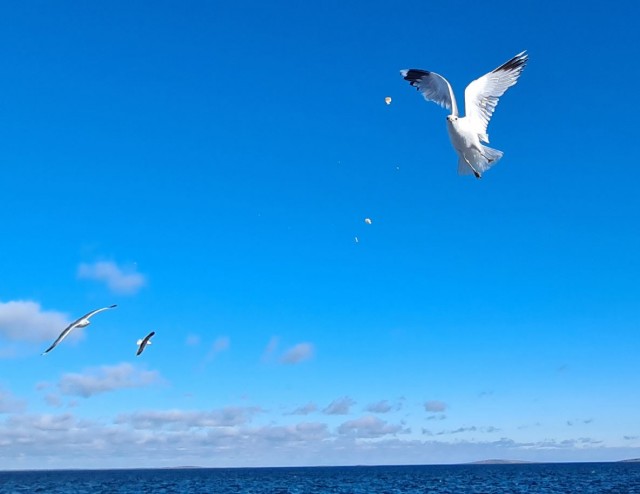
<point>481,98</point>
<point>466,141</point>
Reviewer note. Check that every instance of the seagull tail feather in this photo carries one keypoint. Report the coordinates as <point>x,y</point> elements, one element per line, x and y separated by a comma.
<point>490,157</point>
<point>480,161</point>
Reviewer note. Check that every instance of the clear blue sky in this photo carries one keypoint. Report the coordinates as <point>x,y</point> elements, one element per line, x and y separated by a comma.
<point>208,167</point>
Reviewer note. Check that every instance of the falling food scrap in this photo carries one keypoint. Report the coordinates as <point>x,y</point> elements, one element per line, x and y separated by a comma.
<point>367,221</point>
<point>387,100</point>
<point>356,239</point>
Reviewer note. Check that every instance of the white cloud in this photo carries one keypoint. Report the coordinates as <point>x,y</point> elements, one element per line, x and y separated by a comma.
<point>435,406</point>
<point>369,427</point>
<point>104,379</point>
<point>298,353</point>
<point>24,320</point>
<point>340,406</point>
<point>118,280</point>
<point>216,438</point>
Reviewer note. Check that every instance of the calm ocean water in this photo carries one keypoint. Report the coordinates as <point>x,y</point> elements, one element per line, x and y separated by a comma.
<point>618,478</point>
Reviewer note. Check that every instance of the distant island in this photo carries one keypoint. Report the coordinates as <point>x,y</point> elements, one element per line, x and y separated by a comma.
<point>499,462</point>
<point>519,462</point>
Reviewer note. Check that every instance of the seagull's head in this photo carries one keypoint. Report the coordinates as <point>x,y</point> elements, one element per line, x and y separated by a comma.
<point>451,118</point>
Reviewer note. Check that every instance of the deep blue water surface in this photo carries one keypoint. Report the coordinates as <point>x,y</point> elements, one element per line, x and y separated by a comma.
<point>618,478</point>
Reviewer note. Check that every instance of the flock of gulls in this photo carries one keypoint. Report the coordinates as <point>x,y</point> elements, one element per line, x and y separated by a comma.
<point>466,133</point>
<point>84,321</point>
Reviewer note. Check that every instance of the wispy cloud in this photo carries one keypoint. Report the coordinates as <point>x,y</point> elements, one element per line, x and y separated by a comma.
<point>303,433</point>
<point>105,379</point>
<point>340,406</point>
<point>270,349</point>
<point>573,422</point>
<point>528,426</point>
<point>439,416</point>
<point>9,403</point>
<point>298,353</point>
<point>24,320</point>
<point>192,340</point>
<point>53,400</point>
<point>221,344</point>
<point>382,406</point>
<point>126,281</point>
<point>188,419</point>
<point>473,428</point>
<point>369,427</point>
<point>435,406</point>
<point>305,409</point>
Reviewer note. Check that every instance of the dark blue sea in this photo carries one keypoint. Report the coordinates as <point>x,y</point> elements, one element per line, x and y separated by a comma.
<point>618,478</point>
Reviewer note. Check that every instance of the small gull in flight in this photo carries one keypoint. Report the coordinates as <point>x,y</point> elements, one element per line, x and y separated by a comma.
<point>480,100</point>
<point>144,342</point>
<point>79,323</point>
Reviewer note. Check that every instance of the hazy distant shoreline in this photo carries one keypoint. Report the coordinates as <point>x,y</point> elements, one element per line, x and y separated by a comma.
<point>496,461</point>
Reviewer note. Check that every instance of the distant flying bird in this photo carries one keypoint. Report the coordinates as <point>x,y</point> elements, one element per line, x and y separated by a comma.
<point>144,342</point>
<point>368,221</point>
<point>79,323</point>
<point>480,100</point>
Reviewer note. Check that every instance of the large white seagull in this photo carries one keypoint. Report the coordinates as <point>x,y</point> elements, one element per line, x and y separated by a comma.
<point>82,322</point>
<point>480,100</point>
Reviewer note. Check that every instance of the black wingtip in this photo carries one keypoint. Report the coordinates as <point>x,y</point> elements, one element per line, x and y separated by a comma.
<point>112,306</point>
<point>414,76</point>
<point>517,62</point>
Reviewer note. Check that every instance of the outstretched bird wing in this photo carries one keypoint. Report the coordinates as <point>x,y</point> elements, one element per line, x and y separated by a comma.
<point>63,335</point>
<point>143,343</point>
<point>70,327</point>
<point>481,96</point>
<point>94,312</point>
<point>433,87</point>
